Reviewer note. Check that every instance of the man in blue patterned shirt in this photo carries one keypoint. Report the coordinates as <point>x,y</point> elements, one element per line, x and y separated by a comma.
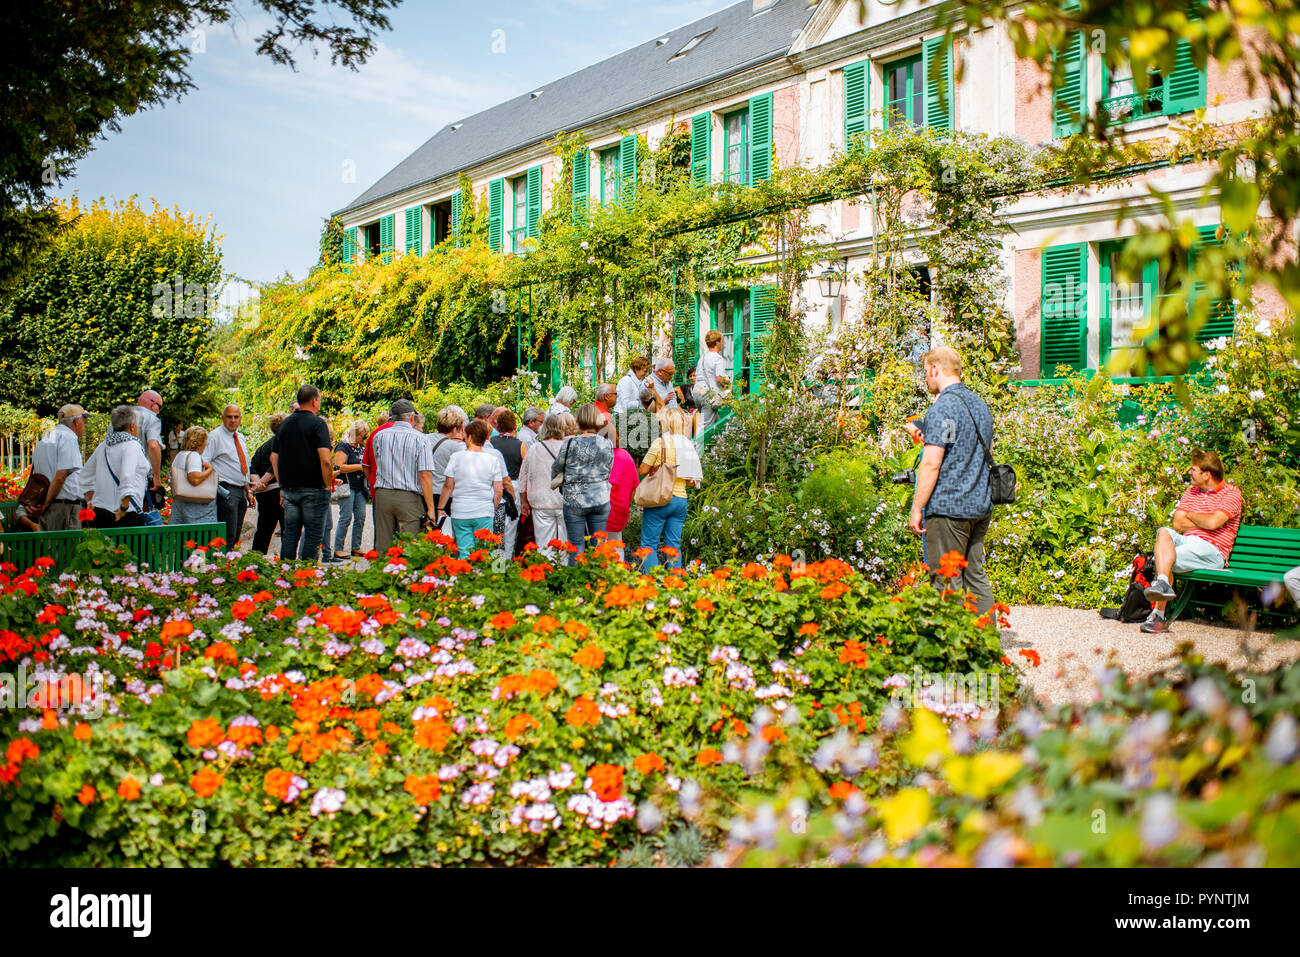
<point>953,501</point>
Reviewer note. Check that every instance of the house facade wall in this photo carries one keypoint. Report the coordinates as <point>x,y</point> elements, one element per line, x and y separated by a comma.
<point>995,93</point>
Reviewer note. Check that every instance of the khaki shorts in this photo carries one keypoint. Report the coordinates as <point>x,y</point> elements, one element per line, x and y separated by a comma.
<point>1192,553</point>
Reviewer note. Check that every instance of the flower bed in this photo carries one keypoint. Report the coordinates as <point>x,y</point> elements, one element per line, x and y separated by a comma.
<point>429,710</point>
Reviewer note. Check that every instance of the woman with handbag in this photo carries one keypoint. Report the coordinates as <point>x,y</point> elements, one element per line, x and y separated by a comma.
<point>536,497</point>
<point>581,473</point>
<point>669,465</point>
<point>356,491</point>
<point>194,483</point>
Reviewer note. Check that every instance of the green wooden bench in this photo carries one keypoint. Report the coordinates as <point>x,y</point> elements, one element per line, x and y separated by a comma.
<point>161,547</point>
<point>1260,556</point>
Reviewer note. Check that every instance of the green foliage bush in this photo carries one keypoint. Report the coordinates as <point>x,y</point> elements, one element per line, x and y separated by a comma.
<point>84,324</point>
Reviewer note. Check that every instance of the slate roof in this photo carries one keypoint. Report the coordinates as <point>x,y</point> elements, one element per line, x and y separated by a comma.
<point>739,39</point>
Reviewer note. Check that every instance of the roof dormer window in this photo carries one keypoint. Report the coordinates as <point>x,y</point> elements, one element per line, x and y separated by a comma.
<point>691,44</point>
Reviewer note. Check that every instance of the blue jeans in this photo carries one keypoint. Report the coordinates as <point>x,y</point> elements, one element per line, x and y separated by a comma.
<point>152,518</point>
<point>666,520</point>
<point>463,530</point>
<point>581,523</point>
<point>352,511</point>
<point>304,518</point>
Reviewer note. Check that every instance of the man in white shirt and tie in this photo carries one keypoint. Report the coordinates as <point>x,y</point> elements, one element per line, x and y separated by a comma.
<point>628,391</point>
<point>227,451</point>
<point>58,457</point>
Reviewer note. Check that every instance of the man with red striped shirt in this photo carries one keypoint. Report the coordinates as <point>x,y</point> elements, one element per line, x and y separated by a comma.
<point>1203,529</point>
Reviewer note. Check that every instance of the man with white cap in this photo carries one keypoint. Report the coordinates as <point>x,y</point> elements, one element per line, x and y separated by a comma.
<point>58,457</point>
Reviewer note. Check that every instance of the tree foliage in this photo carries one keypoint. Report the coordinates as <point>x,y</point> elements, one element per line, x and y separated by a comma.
<point>97,319</point>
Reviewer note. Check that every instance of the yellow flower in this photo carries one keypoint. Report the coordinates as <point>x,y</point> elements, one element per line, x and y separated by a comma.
<point>904,814</point>
<point>928,742</point>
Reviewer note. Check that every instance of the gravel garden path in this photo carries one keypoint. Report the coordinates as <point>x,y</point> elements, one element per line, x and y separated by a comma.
<point>1072,642</point>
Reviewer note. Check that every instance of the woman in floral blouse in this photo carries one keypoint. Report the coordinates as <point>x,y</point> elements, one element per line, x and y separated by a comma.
<point>585,461</point>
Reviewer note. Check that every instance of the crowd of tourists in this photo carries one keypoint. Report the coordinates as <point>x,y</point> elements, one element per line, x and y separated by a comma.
<point>559,477</point>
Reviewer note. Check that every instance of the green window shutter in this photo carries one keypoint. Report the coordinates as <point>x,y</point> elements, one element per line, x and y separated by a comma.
<point>496,202</point>
<point>686,322</point>
<point>581,186</point>
<point>627,170</point>
<point>457,200</point>
<point>1070,96</point>
<point>855,102</point>
<point>350,244</point>
<point>414,237</point>
<point>1185,86</point>
<point>387,237</point>
<point>936,66</point>
<point>760,139</point>
<point>534,186</point>
<point>1064,309</point>
<point>1221,319</point>
<point>701,136</point>
<point>762,313</point>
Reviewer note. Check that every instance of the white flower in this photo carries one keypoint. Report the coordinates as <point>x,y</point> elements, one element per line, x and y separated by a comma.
<point>1256,395</point>
<point>1221,389</point>
<point>1264,327</point>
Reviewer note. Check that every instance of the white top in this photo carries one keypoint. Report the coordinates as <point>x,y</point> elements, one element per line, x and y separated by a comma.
<point>557,408</point>
<point>664,391</point>
<point>474,474</point>
<point>443,449</point>
<point>628,393</point>
<point>526,436</point>
<point>224,457</point>
<point>131,466</point>
<point>60,450</point>
<point>707,370</point>
<point>535,475</point>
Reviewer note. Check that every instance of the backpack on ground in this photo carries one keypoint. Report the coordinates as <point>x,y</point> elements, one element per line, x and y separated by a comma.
<point>1135,607</point>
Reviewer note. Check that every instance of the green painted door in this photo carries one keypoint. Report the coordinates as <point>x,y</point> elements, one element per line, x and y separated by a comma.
<point>729,314</point>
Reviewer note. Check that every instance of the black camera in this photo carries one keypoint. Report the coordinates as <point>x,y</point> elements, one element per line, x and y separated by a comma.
<point>905,477</point>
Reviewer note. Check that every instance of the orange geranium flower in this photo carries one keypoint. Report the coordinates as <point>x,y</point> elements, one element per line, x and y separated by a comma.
<point>540,681</point>
<point>841,789</point>
<point>773,733</point>
<point>502,620</point>
<point>86,794</point>
<point>433,733</point>
<point>753,571</point>
<point>519,725</point>
<point>834,590</point>
<point>242,609</point>
<point>648,763</point>
<point>589,656</point>
<point>425,789</point>
<point>577,629</point>
<point>205,782</point>
<point>583,711</point>
<point>951,564</point>
<point>82,732</point>
<point>128,789</point>
<point>1031,656</point>
<point>708,756</point>
<point>853,654</point>
<point>620,596</point>
<point>534,573</point>
<point>607,781</point>
<point>809,628</point>
<point>704,604</point>
<point>545,625</point>
<point>222,653</point>
<point>205,733</point>
<point>175,628</point>
<point>276,783</point>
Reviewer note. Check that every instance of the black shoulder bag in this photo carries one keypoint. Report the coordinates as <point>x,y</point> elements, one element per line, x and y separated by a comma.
<point>1002,478</point>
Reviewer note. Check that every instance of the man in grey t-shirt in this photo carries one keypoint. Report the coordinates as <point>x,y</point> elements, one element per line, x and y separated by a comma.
<point>953,501</point>
<point>147,408</point>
